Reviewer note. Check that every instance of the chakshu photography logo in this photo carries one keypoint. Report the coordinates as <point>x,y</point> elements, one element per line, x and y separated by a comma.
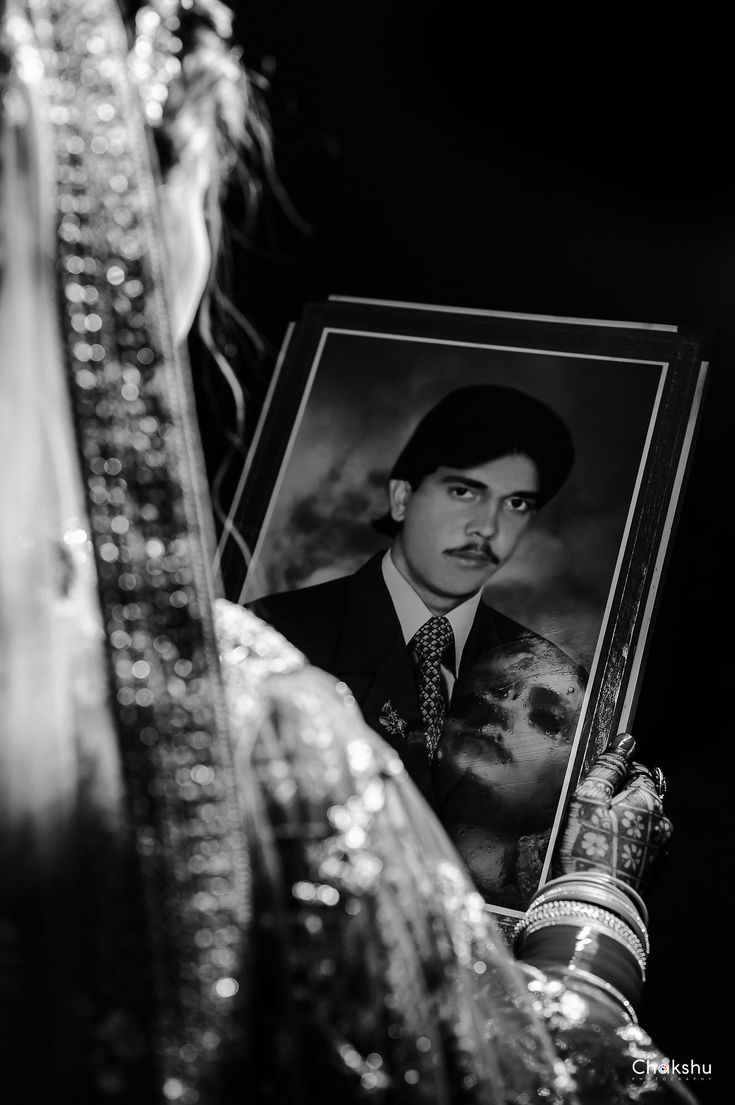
<point>686,1069</point>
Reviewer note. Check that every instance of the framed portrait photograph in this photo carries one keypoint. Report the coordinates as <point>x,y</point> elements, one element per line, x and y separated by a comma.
<point>516,475</point>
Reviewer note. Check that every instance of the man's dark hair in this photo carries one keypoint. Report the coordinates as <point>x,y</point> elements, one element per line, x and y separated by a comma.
<point>479,423</point>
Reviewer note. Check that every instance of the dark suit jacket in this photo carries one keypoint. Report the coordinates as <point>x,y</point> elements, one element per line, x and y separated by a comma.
<point>349,627</point>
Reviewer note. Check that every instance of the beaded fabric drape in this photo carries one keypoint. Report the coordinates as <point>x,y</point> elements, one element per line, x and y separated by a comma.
<point>232,891</point>
<point>159,903</point>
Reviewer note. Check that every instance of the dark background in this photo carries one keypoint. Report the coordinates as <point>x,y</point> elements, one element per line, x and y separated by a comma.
<point>540,161</point>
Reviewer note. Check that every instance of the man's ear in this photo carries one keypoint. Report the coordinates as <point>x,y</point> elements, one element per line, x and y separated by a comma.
<point>399,492</point>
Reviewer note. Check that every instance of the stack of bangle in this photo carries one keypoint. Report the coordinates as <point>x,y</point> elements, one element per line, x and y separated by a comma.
<point>590,926</point>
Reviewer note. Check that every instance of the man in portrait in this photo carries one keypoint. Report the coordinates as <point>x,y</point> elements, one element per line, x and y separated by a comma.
<point>481,709</point>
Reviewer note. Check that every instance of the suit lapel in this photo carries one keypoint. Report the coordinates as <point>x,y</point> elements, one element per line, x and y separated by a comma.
<point>372,659</point>
<point>482,636</point>
<point>371,654</point>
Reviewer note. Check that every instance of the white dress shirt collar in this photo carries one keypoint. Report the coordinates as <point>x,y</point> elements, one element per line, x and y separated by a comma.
<point>413,612</point>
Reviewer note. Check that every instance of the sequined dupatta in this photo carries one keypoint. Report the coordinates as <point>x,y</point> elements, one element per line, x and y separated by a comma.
<point>149,523</point>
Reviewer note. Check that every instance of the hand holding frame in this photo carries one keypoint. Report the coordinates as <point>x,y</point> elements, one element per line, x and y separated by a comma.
<point>616,824</point>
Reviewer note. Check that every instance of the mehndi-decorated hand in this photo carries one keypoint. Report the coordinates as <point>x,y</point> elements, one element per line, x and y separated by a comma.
<point>616,824</point>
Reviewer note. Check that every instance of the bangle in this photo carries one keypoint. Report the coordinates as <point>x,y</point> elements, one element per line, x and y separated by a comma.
<point>577,976</point>
<point>602,878</point>
<point>597,895</point>
<point>571,909</point>
<point>584,935</point>
<point>579,913</point>
<point>584,947</point>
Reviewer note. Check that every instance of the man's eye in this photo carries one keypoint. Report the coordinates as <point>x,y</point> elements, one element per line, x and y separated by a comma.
<point>459,491</point>
<point>519,505</point>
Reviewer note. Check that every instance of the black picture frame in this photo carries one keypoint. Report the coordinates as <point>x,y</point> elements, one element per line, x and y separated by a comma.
<point>352,376</point>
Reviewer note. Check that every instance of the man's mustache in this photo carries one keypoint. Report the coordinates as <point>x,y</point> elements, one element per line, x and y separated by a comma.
<point>480,549</point>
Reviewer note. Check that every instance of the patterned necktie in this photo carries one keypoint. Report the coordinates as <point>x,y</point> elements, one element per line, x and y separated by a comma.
<point>430,643</point>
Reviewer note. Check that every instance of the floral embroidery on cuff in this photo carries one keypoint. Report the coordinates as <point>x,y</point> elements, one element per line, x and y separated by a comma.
<point>392,721</point>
